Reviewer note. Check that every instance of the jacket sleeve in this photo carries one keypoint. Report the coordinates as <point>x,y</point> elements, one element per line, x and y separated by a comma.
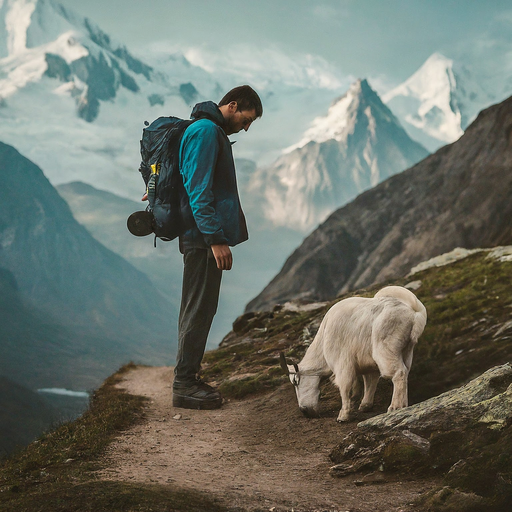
<point>198,155</point>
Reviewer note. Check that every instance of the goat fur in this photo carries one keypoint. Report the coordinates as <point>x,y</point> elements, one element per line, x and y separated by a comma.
<point>372,337</point>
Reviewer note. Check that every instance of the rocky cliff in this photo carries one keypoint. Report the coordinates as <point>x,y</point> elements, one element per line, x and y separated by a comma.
<point>459,196</point>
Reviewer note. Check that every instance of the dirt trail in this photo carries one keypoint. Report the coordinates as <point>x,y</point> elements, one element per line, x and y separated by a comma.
<point>254,454</point>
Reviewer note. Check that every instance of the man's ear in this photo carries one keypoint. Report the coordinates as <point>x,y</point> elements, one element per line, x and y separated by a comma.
<point>233,106</point>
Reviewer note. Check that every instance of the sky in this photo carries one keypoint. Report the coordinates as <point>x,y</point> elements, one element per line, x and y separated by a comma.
<point>384,39</point>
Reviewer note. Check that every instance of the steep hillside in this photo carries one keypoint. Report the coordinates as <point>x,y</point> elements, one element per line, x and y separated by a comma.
<point>468,330</point>
<point>460,196</point>
<point>102,311</point>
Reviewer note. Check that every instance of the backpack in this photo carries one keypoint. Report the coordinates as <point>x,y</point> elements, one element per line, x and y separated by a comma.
<point>159,167</point>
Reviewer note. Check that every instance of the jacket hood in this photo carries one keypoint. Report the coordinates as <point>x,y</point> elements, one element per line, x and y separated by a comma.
<point>209,110</point>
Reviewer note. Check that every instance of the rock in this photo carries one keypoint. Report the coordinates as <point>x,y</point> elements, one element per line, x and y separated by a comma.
<point>251,320</point>
<point>297,307</point>
<point>501,253</point>
<point>379,450</point>
<point>457,254</point>
<point>453,500</point>
<point>371,479</point>
<point>242,322</point>
<point>413,285</point>
<point>463,436</point>
<point>486,400</point>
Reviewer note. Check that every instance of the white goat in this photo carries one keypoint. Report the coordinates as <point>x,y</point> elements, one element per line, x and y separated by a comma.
<point>358,336</point>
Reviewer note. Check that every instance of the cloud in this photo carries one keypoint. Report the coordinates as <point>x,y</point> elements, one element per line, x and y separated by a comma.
<point>331,12</point>
<point>504,17</point>
<point>265,66</point>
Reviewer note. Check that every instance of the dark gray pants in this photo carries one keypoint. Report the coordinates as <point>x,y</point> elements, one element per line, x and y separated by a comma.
<point>199,300</point>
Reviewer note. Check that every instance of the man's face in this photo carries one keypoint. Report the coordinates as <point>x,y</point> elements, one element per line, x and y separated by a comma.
<point>239,119</point>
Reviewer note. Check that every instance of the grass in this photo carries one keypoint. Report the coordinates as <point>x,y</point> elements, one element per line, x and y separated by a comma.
<point>51,473</point>
<point>248,365</point>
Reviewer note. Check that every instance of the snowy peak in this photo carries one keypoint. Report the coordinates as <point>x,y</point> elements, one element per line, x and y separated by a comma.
<point>26,24</point>
<point>437,72</point>
<point>339,123</point>
<point>41,38</point>
<point>351,149</point>
<point>61,67</point>
<point>438,101</point>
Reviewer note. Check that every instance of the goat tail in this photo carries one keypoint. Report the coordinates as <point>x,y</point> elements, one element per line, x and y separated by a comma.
<point>407,297</point>
<point>419,322</point>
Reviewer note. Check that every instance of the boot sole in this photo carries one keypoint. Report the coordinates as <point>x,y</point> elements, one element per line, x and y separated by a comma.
<point>189,402</point>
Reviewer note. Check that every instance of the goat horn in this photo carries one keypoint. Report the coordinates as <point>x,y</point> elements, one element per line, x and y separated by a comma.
<point>282,361</point>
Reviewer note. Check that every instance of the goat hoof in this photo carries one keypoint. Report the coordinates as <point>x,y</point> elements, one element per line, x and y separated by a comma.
<point>365,407</point>
<point>343,419</point>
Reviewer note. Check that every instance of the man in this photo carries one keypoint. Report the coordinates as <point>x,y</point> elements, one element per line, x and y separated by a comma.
<point>214,221</point>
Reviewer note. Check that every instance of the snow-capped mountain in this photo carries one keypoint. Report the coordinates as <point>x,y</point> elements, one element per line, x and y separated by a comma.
<point>74,101</point>
<point>294,88</point>
<point>355,146</point>
<point>437,103</point>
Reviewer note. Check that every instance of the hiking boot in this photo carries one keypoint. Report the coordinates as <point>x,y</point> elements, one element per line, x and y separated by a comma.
<point>195,395</point>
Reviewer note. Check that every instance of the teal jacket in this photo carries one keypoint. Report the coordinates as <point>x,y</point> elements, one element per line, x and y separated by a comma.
<point>210,205</point>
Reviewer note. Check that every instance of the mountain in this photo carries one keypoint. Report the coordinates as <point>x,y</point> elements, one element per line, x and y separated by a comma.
<point>23,416</point>
<point>457,197</point>
<point>42,38</point>
<point>355,146</point>
<point>92,93</point>
<point>436,104</point>
<point>104,215</point>
<point>96,309</point>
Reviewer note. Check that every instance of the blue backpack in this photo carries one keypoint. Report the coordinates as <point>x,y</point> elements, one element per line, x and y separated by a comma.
<point>159,150</point>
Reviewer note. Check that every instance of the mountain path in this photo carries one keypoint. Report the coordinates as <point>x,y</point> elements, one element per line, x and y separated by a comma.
<point>257,454</point>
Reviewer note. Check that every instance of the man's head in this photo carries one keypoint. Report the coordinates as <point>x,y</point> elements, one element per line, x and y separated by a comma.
<point>240,107</point>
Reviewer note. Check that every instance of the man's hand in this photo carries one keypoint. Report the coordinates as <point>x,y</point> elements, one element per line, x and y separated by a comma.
<point>223,256</point>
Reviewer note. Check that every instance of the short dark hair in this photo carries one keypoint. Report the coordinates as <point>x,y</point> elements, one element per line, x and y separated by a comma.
<point>246,97</point>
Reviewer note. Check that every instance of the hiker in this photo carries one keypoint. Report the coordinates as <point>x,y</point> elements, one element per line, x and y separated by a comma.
<point>214,221</point>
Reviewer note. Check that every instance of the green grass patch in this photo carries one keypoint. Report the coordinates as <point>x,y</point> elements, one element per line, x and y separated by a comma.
<point>240,388</point>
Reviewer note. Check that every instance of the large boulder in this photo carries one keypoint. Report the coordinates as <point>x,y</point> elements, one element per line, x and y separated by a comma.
<point>485,400</point>
<point>465,435</point>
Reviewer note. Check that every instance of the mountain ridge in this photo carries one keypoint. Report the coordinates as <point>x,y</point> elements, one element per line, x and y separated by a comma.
<point>458,196</point>
<point>356,145</point>
<point>72,283</point>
